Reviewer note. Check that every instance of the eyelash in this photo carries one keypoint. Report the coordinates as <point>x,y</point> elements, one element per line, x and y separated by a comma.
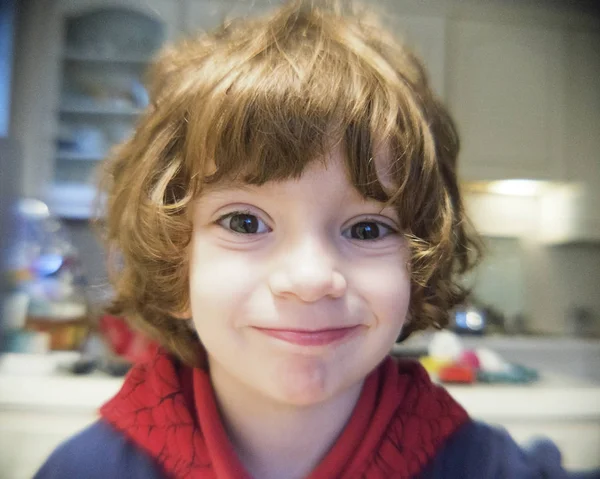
<point>391,230</point>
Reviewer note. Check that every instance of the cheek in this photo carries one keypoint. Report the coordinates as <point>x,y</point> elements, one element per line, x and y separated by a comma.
<point>387,290</point>
<point>220,278</point>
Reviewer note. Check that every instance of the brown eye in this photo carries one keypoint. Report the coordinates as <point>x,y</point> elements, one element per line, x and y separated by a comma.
<point>368,231</point>
<point>243,223</point>
<point>247,224</point>
<point>365,231</point>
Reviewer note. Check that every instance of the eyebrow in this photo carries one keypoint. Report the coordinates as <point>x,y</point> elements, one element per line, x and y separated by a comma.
<point>228,186</point>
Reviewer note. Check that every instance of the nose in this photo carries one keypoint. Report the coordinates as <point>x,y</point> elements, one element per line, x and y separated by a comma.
<point>307,271</point>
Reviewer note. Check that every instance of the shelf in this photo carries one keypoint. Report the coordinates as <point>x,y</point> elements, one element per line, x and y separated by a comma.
<point>99,110</point>
<point>75,156</point>
<point>72,200</point>
<point>99,58</point>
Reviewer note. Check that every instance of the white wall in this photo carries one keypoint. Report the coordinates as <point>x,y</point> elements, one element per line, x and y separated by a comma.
<point>543,282</point>
<point>499,279</point>
<point>558,278</point>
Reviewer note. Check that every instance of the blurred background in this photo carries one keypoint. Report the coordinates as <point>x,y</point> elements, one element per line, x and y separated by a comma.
<point>522,80</point>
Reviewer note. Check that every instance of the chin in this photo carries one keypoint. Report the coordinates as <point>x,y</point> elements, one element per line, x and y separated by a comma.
<point>310,381</point>
<point>300,398</point>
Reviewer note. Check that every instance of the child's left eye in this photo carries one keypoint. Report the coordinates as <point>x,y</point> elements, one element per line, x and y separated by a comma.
<point>368,231</point>
<point>243,223</point>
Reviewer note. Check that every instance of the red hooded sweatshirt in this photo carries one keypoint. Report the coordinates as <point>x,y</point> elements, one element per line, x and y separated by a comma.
<point>399,423</point>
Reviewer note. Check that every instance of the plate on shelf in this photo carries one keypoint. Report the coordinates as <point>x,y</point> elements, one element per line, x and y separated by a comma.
<point>108,31</point>
<point>92,57</point>
<point>72,200</point>
<point>79,156</point>
<point>99,109</point>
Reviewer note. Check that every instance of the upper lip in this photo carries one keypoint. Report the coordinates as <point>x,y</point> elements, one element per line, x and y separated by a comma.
<point>307,330</point>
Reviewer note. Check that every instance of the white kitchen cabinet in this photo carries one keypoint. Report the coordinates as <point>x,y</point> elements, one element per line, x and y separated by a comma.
<point>566,412</point>
<point>82,62</point>
<point>505,86</point>
<point>583,130</point>
<point>29,436</point>
<point>37,413</point>
<point>573,213</point>
<point>583,106</point>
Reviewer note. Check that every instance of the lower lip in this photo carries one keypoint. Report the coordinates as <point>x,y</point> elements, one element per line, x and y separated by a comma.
<point>311,338</point>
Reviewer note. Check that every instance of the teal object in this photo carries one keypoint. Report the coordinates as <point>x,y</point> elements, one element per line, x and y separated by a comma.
<point>515,374</point>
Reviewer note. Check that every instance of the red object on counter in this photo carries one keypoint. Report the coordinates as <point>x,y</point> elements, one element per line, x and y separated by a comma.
<point>124,342</point>
<point>457,373</point>
<point>470,358</point>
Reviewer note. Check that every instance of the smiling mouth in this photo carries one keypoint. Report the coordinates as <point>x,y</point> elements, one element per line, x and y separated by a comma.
<point>320,337</point>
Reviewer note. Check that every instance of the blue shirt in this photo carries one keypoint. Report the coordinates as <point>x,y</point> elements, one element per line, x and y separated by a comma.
<point>475,451</point>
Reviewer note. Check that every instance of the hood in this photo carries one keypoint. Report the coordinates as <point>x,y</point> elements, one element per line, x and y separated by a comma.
<point>399,423</point>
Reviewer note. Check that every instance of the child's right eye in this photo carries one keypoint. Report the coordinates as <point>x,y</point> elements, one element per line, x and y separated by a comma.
<point>243,223</point>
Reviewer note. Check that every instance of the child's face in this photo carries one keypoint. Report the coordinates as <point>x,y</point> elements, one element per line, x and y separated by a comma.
<point>298,288</point>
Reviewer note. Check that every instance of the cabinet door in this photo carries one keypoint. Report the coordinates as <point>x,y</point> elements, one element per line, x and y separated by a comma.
<point>581,215</point>
<point>425,36</point>
<point>29,436</point>
<point>572,213</point>
<point>583,122</point>
<point>583,107</point>
<point>505,87</point>
<point>167,13</point>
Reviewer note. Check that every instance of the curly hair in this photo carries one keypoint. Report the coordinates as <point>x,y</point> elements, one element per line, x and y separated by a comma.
<point>257,100</point>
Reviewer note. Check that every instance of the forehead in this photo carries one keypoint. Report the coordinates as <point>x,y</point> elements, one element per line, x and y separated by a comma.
<point>327,171</point>
<point>384,167</point>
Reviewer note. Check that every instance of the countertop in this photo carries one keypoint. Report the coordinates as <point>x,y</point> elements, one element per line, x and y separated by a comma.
<point>525,342</point>
<point>553,396</point>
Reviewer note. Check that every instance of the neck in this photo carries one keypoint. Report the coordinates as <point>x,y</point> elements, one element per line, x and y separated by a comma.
<point>275,440</point>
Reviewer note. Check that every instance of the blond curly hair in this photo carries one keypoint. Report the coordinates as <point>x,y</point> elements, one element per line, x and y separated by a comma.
<point>257,100</point>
